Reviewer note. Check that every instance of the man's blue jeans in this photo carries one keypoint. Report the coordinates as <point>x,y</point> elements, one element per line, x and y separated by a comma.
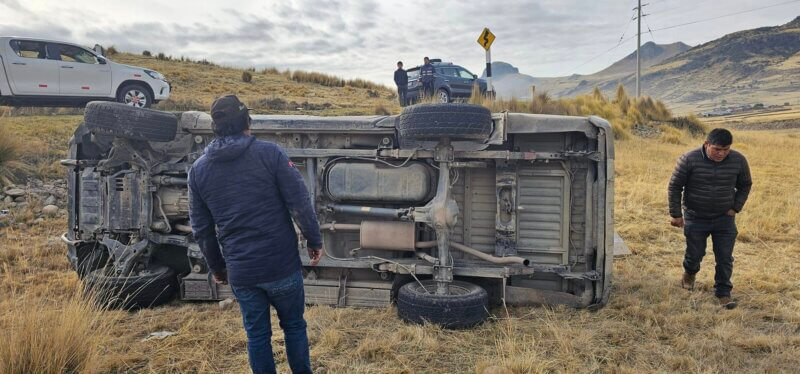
<point>287,297</point>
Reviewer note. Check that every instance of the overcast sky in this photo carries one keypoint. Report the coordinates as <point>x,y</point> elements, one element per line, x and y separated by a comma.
<point>366,38</point>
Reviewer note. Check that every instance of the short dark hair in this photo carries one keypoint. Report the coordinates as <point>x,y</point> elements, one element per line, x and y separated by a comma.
<point>721,137</point>
<point>426,58</point>
<point>399,62</point>
<point>232,127</point>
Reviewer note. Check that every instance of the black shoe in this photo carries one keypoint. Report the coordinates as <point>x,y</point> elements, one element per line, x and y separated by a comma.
<point>727,302</point>
<point>687,282</point>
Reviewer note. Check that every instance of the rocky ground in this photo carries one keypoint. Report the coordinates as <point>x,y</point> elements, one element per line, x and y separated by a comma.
<point>22,205</point>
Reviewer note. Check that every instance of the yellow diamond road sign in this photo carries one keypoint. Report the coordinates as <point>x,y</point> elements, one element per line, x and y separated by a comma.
<point>486,38</point>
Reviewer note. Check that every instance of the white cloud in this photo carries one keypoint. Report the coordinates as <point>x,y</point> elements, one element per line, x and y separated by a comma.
<point>365,38</point>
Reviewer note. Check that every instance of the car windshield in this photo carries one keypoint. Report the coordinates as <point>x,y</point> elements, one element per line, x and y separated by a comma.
<point>413,74</point>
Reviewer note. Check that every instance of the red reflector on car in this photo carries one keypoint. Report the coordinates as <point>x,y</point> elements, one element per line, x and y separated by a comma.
<point>43,86</point>
<point>84,87</point>
<point>137,75</point>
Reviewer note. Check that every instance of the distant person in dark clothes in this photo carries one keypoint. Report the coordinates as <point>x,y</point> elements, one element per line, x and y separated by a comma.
<point>427,78</point>
<point>713,182</point>
<point>401,80</point>
<point>243,195</point>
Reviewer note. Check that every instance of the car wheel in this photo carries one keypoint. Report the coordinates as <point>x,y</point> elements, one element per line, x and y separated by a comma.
<point>465,306</point>
<point>455,121</point>
<point>130,122</point>
<point>135,95</point>
<point>151,287</point>
<point>91,256</point>
<point>442,96</point>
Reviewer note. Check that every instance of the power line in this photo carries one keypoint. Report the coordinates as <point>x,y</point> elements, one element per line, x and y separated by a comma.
<point>604,52</point>
<point>621,42</point>
<point>726,15</point>
<point>650,31</point>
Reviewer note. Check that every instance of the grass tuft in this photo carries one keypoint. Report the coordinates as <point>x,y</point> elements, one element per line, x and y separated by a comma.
<point>622,112</point>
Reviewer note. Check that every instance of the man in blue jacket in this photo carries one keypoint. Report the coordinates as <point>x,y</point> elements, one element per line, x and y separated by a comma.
<point>243,195</point>
<point>427,78</point>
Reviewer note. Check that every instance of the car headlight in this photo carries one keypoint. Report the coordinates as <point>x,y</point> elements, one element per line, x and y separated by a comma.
<point>155,75</point>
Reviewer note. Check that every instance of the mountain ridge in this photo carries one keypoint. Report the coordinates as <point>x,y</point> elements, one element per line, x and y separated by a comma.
<point>755,65</point>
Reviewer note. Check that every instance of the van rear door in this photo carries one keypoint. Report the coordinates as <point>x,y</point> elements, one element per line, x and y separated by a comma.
<point>29,70</point>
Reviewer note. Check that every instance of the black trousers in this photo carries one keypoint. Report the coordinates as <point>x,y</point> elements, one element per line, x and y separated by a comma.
<point>427,89</point>
<point>723,233</point>
<point>401,95</point>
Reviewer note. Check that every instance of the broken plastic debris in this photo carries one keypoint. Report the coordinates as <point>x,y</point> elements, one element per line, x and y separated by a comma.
<point>158,335</point>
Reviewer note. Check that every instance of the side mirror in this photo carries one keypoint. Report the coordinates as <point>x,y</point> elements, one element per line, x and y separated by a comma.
<point>101,60</point>
<point>474,76</point>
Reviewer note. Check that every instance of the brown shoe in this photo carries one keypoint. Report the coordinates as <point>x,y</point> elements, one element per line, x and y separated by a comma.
<point>727,302</point>
<point>688,281</point>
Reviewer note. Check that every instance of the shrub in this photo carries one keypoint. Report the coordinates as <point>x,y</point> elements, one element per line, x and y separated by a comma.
<point>181,105</point>
<point>146,53</point>
<point>247,77</point>
<point>690,123</point>
<point>10,153</point>
<point>53,336</point>
<point>271,103</point>
<point>271,70</point>
<point>111,51</point>
<point>382,110</point>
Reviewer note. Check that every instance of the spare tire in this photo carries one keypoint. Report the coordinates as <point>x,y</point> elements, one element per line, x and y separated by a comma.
<point>152,287</point>
<point>466,305</point>
<point>455,121</point>
<point>130,122</point>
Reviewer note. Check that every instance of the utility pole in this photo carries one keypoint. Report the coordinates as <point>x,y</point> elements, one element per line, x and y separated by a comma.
<point>638,9</point>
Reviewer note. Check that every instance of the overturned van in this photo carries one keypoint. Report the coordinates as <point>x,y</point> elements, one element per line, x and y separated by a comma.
<point>443,210</point>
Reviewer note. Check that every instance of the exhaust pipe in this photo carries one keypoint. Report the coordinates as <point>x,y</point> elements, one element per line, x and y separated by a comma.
<point>480,255</point>
<point>400,236</point>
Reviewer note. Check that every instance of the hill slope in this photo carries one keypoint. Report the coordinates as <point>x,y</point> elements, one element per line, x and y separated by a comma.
<point>758,65</point>
<point>509,82</point>
<point>195,85</point>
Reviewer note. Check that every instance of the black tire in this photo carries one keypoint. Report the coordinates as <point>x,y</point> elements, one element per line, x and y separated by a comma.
<point>456,121</point>
<point>443,96</point>
<point>130,122</point>
<point>465,307</point>
<point>155,287</point>
<point>135,95</point>
<point>90,258</point>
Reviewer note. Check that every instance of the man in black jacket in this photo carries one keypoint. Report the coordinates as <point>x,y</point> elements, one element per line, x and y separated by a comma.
<point>243,195</point>
<point>714,182</point>
<point>401,80</point>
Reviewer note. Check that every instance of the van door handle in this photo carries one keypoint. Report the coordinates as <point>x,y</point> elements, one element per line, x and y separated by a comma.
<point>66,67</point>
<point>18,63</point>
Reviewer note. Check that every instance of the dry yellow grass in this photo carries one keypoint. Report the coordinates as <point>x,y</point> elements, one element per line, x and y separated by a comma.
<point>650,324</point>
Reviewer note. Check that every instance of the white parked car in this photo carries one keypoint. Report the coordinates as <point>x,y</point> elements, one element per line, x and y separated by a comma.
<point>53,73</point>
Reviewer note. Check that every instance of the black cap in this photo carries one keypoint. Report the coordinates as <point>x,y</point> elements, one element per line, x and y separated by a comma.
<point>229,115</point>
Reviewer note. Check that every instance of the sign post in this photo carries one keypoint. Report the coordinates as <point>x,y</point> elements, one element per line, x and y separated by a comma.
<point>485,40</point>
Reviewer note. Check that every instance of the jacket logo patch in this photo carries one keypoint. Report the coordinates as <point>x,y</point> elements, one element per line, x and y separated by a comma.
<point>291,164</point>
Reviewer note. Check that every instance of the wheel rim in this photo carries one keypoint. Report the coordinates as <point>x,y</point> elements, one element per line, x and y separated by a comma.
<point>135,98</point>
<point>443,97</point>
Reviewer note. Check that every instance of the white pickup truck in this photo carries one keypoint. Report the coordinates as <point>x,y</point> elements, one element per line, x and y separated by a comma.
<point>52,73</point>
